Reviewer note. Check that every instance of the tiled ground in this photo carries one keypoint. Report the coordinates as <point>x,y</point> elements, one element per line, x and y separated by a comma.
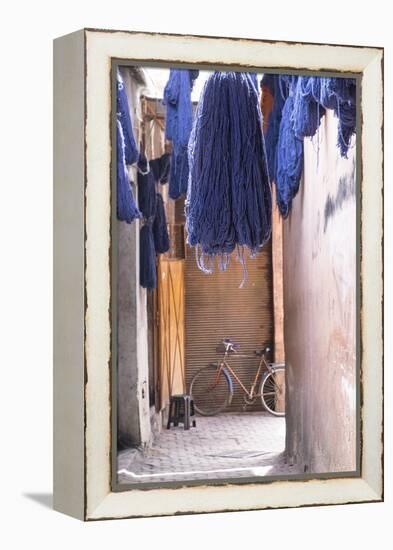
<point>224,446</point>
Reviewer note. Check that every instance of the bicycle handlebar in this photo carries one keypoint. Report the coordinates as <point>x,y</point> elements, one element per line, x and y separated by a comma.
<point>233,346</point>
<point>230,345</point>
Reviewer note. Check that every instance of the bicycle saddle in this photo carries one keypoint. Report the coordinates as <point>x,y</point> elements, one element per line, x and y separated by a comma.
<point>260,351</point>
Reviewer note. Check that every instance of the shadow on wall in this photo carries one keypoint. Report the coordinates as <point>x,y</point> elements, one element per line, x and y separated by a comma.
<point>345,192</point>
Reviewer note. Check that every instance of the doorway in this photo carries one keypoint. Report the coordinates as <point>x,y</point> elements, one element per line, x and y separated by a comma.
<point>216,308</point>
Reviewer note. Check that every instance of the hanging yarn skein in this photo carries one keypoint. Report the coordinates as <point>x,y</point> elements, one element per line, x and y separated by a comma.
<point>126,208</point>
<point>289,160</point>
<point>300,116</point>
<point>178,124</point>
<point>147,258</point>
<point>131,152</point>
<point>344,92</point>
<point>338,94</point>
<point>229,202</point>
<point>147,205</point>
<point>278,88</point>
<point>160,229</point>
<point>307,111</point>
<point>126,153</point>
<point>160,168</point>
<point>146,189</point>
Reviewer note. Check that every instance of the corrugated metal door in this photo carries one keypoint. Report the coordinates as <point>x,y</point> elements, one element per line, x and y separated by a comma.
<point>217,308</point>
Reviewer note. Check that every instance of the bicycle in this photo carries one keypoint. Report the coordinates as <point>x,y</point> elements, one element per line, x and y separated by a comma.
<point>212,387</point>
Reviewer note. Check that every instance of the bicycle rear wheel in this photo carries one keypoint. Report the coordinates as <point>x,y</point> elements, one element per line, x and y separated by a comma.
<point>272,389</point>
<point>211,390</point>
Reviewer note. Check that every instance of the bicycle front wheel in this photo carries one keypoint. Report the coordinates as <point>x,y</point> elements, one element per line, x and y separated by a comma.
<point>211,390</point>
<point>272,391</point>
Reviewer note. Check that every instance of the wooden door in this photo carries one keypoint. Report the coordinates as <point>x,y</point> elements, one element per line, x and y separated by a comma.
<point>171,328</point>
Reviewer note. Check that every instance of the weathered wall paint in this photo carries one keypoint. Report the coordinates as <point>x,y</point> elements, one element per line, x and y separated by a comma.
<point>320,309</point>
<point>278,294</point>
<point>133,389</point>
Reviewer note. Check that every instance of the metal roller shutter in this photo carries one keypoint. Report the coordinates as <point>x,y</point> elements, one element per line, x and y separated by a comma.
<point>217,308</point>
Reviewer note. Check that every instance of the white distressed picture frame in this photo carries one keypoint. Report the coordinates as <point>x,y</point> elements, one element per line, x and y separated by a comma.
<point>82,241</point>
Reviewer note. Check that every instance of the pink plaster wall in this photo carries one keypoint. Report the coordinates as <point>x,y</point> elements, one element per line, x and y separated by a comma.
<point>319,254</point>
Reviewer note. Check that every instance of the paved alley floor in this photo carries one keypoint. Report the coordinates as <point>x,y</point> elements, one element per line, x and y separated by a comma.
<point>224,446</point>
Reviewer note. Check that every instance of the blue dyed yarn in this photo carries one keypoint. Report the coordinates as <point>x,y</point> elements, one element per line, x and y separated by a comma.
<point>344,88</point>
<point>346,126</point>
<point>146,189</point>
<point>229,196</point>
<point>171,100</point>
<point>127,153</point>
<point>279,91</point>
<point>160,168</point>
<point>154,236</point>
<point>345,91</point>
<point>323,92</point>
<point>147,205</point>
<point>160,229</point>
<point>178,124</point>
<point>123,114</point>
<point>300,117</point>
<point>289,160</point>
<point>179,170</point>
<point>339,94</point>
<point>127,210</point>
<point>254,79</point>
<point>307,111</point>
<point>147,258</point>
<point>177,98</point>
<point>287,82</point>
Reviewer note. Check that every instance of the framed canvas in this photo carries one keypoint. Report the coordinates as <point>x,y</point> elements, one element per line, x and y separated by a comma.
<point>128,353</point>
